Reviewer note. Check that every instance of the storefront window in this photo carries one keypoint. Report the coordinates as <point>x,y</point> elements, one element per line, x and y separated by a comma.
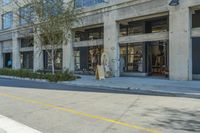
<point>57,59</point>
<point>87,58</point>
<point>27,60</point>
<point>7,60</point>
<point>131,58</point>
<point>94,57</point>
<point>77,60</point>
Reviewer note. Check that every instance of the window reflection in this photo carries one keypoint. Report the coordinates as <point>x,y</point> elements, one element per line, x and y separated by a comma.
<point>131,58</point>
<point>86,3</point>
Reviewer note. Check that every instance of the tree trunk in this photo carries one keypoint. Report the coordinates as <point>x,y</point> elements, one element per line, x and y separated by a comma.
<point>52,62</point>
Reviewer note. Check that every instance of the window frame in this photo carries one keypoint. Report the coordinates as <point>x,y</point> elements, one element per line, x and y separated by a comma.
<point>3,17</point>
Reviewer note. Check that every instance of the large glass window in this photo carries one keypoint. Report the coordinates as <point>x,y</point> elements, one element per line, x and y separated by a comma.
<point>27,42</point>
<point>132,28</point>
<point>86,3</point>
<point>157,25</point>
<point>57,58</point>
<point>89,34</point>
<point>77,59</point>
<point>196,55</point>
<point>52,7</point>
<point>144,26</point>
<point>131,57</point>
<point>27,60</point>
<point>135,28</point>
<point>87,58</point>
<point>6,2</point>
<point>26,15</point>
<point>196,19</point>
<point>7,20</point>
<point>123,30</point>
<point>7,60</point>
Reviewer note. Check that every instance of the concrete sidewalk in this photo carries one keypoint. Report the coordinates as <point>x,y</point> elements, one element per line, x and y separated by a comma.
<point>152,86</point>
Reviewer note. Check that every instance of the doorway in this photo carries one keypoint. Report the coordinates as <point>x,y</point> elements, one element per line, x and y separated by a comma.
<point>158,58</point>
<point>8,60</point>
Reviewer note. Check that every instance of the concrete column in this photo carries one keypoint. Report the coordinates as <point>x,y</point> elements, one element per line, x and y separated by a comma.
<point>16,63</point>
<point>1,12</point>
<point>111,43</point>
<point>68,56</point>
<point>38,63</point>
<point>180,44</point>
<point>1,55</point>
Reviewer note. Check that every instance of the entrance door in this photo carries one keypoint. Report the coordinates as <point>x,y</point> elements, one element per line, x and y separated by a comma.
<point>158,58</point>
<point>8,60</point>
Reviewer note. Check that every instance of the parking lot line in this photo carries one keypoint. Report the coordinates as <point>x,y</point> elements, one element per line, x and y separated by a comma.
<point>75,112</point>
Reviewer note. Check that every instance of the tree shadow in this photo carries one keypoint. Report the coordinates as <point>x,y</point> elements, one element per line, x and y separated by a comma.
<point>182,120</point>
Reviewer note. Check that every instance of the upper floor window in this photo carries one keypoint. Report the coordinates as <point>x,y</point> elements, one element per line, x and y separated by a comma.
<point>7,20</point>
<point>26,15</point>
<point>26,42</point>
<point>87,3</point>
<point>144,26</point>
<point>132,28</point>
<point>196,19</point>
<point>52,7</point>
<point>89,34</point>
<point>6,2</point>
<point>157,25</point>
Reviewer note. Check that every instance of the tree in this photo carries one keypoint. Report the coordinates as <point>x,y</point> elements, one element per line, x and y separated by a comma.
<point>50,21</point>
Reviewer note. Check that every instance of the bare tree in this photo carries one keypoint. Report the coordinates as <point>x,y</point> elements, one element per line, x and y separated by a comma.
<point>50,20</point>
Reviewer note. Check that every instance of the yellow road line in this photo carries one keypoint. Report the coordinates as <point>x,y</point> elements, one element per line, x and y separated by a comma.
<point>72,111</point>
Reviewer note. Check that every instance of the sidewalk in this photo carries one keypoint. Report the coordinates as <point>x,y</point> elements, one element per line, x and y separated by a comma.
<point>149,86</point>
<point>10,126</point>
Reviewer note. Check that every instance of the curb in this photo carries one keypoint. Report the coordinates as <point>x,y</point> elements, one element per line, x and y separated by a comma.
<point>136,91</point>
<point>131,90</point>
<point>27,79</point>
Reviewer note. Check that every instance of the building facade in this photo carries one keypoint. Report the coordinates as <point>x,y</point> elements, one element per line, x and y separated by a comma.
<point>141,38</point>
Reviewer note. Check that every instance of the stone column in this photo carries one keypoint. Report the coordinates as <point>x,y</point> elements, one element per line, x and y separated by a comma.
<point>38,63</point>
<point>68,56</point>
<point>1,55</point>
<point>16,62</point>
<point>180,44</point>
<point>111,43</point>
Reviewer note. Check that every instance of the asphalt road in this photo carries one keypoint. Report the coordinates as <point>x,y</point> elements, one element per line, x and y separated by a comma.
<point>55,108</point>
